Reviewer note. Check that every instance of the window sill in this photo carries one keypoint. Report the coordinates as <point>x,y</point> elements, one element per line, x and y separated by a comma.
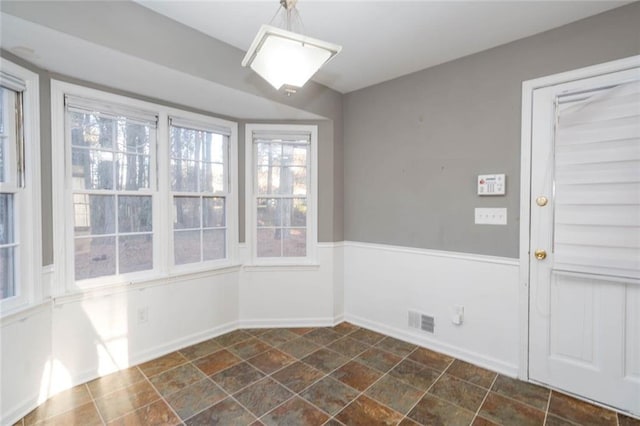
<point>111,289</point>
<point>281,267</point>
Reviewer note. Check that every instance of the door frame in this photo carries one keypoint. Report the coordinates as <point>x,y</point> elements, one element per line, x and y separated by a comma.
<point>528,88</point>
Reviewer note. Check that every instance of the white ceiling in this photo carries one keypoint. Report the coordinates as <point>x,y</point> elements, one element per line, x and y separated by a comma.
<point>383,40</point>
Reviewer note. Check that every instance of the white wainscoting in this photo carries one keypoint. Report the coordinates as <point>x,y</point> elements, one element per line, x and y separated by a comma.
<point>25,344</point>
<point>293,296</point>
<point>80,337</point>
<point>382,283</point>
<point>94,336</point>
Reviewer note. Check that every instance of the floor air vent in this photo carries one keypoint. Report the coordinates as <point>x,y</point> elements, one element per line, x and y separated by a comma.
<point>421,321</point>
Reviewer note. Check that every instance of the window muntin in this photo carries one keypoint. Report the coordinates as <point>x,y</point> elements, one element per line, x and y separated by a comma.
<point>113,181</point>
<point>112,193</point>
<point>199,169</point>
<point>281,189</point>
<point>10,192</point>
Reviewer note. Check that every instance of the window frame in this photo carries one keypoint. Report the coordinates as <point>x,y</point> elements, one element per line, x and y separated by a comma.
<point>152,191</point>
<point>229,196</point>
<point>251,195</point>
<point>162,204</point>
<point>27,201</point>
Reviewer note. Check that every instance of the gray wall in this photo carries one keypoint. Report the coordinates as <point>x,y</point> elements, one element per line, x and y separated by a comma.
<point>414,146</point>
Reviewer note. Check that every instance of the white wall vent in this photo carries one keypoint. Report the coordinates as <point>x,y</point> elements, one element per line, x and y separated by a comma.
<point>421,321</point>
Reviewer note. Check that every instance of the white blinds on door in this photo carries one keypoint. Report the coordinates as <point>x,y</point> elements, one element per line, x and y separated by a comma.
<point>597,183</point>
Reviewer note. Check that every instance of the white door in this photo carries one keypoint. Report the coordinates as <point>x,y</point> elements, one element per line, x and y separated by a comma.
<point>584,305</point>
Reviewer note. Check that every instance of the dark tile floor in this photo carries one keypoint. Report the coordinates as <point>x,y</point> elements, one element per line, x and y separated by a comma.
<point>324,376</point>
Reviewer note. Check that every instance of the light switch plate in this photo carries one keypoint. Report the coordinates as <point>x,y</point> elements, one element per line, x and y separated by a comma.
<point>491,216</point>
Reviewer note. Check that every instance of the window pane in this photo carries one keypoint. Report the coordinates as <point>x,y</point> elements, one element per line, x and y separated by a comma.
<point>7,272</point>
<point>135,253</point>
<point>186,247</point>
<point>269,242</point>
<point>184,175</point>
<point>293,180</point>
<point>133,137</point>
<point>6,219</point>
<point>295,243</point>
<point>214,244</point>
<point>90,130</point>
<point>92,169</point>
<point>294,155</point>
<point>214,212</point>
<point>268,180</point>
<point>299,180</point>
<point>3,155</point>
<point>294,212</point>
<point>214,148</point>
<point>185,143</point>
<point>134,214</point>
<point>95,257</point>
<point>268,154</point>
<point>132,172</point>
<point>269,212</point>
<point>2,113</point>
<point>212,177</point>
<point>187,212</point>
<point>93,214</point>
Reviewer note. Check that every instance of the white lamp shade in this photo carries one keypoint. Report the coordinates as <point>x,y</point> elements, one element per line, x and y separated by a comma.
<point>286,58</point>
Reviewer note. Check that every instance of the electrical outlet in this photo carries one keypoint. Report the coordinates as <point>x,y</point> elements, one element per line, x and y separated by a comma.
<point>143,315</point>
<point>497,216</point>
<point>458,314</point>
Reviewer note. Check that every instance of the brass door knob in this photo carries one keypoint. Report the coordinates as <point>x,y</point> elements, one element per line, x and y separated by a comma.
<point>540,254</point>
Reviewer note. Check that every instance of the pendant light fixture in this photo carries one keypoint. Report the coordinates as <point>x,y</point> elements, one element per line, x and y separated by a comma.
<point>285,58</point>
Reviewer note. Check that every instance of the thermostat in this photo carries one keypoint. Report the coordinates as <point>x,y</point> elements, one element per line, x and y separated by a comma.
<point>491,184</point>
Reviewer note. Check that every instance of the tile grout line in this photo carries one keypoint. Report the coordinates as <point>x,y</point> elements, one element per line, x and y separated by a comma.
<point>475,416</point>
<point>297,394</point>
<point>95,405</point>
<point>230,395</point>
<point>429,387</point>
<point>546,411</point>
<point>242,360</point>
<point>208,406</point>
<point>325,375</point>
<point>380,378</point>
<point>161,397</point>
<point>527,404</point>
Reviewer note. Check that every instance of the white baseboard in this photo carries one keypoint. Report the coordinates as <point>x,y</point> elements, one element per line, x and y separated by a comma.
<point>162,350</point>
<point>424,341</point>
<point>15,414</point>
<point>287,322</point>
<point>183,342</point>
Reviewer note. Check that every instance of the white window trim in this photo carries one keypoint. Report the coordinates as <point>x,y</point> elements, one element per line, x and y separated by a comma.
<point>312,199</point>
<point>196,122</point>
<point>164,268</point>
<point>29,207</point>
